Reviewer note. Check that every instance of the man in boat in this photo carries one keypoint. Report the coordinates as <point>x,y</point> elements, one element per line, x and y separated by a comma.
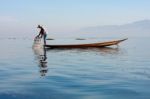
<point>41,34</point>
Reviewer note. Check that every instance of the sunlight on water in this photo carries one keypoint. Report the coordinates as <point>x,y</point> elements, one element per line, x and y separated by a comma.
<point>33,72</point>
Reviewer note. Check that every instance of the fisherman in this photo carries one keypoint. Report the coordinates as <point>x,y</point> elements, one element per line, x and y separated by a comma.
<point>41,34</point>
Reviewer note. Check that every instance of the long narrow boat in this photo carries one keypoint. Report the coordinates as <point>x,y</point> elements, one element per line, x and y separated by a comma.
<point>100,44</point>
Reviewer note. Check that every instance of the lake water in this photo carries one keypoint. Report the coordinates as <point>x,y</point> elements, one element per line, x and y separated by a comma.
<point>106,73</point>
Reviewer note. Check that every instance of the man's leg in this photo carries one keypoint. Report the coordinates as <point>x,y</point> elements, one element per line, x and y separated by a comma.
<point>45,39</point>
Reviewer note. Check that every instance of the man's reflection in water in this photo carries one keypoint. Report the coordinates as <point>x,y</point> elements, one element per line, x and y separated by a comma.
<point>43,63</point>
<point>40,53</point>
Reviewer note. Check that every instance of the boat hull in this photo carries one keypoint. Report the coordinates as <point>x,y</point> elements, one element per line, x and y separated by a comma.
<point>100,44</point>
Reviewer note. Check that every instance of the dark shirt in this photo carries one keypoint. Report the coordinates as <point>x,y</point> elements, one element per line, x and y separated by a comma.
<point>42,31</point>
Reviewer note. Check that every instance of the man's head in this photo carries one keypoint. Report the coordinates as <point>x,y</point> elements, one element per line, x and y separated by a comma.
<point>38,26</point>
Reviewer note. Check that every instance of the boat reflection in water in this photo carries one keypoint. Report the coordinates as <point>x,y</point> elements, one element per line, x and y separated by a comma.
<point>98,50</point>
<point>110,51</point>
<point>40,55</point>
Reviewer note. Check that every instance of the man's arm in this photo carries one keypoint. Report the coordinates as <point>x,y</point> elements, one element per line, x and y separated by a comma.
<point>39,34</point>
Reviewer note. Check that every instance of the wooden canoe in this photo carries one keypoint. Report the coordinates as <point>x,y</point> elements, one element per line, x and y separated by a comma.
<point>100,44</point>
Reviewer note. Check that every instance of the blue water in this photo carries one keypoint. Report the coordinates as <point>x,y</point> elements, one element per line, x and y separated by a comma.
<point>106,73</point>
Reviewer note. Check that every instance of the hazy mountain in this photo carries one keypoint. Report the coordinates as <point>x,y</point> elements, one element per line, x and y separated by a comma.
<point>135,29</point>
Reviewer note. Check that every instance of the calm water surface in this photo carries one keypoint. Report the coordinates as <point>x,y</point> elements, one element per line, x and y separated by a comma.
<point>106,73</point>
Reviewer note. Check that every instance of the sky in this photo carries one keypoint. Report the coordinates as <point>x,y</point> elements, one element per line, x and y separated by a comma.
<point>60,16</point>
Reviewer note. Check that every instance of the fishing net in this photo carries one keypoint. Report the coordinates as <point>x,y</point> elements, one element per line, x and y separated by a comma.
<point>37,42</point>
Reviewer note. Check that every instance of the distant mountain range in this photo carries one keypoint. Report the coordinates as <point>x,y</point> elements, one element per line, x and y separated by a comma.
<point>135,29</point>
